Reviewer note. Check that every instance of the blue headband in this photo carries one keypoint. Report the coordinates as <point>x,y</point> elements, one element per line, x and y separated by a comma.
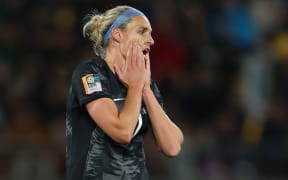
<point>121,19</point>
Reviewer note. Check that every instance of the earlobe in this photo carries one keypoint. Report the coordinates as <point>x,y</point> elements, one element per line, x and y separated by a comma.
<point>116,34</point>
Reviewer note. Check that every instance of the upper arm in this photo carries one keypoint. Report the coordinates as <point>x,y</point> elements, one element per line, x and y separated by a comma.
<point>92,89</point>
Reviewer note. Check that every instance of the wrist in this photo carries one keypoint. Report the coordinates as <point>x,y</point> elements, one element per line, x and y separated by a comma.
<point>135,89</point>
<point>147,91</point>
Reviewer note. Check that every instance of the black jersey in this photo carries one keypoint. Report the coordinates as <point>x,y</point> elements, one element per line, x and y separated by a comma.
<point>90,153</point>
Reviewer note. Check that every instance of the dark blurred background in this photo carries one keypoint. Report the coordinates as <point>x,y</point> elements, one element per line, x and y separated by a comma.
<point>222,67</point>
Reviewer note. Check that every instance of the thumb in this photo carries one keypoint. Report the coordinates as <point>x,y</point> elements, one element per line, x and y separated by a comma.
<point>147,62</point>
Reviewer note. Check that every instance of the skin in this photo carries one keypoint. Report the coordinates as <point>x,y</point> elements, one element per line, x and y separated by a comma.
<point>125,57</point>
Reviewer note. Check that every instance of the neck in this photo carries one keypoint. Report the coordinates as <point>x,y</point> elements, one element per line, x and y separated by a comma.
<point>113,56</point>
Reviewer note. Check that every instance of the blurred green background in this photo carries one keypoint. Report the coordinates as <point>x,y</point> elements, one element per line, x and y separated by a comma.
<point>222,68</point>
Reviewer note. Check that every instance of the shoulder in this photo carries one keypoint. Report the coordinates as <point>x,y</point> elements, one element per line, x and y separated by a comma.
<point>95,62</point>
<point>92,65</point>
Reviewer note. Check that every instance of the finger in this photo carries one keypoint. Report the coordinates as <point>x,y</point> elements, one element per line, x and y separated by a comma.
<point>140,59</point>
<point>128,61</point>
<point>147,62</point>
<point>135,54</point>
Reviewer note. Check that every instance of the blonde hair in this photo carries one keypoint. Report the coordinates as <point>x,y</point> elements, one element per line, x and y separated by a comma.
<point>97,26</point>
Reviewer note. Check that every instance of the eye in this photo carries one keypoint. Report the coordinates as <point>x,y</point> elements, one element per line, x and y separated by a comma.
<point>142,31</point>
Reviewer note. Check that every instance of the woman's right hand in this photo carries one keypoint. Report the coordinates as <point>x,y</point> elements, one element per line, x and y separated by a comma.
<point>132,75</point>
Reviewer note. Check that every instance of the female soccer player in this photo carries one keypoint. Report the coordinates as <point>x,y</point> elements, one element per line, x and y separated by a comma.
<point>112,102</point>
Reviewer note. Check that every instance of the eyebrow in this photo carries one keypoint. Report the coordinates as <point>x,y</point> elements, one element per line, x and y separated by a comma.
<point>146,29</point>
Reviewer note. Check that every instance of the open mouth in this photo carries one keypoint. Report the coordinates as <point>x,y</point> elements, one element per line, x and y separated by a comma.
<point>146,51</point>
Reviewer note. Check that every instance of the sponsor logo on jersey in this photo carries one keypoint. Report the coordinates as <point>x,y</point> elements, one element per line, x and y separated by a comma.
<point>91,83</point>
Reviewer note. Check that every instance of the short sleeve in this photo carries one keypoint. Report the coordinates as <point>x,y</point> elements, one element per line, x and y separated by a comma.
<point>90,82</point>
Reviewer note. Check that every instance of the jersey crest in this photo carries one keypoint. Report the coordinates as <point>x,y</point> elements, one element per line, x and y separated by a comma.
<point>91,83</point>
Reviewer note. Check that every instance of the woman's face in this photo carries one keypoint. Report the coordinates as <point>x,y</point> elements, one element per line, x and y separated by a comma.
<point>137,30</point>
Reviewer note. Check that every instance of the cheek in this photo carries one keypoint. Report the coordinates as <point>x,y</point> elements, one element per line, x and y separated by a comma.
<point>126,44</point>
<point>129,39</point>
<point>132,37</point>
<point>124,48</point>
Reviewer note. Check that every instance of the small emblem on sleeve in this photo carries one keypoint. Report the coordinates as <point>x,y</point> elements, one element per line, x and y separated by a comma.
<point>91,83</point>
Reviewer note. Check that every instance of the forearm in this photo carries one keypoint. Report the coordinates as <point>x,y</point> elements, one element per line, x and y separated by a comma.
<point>168,136</point>
<point>119,125</point>
<point>128,115</point>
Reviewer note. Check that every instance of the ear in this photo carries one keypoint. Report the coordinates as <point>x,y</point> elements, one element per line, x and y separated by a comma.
<point>116,34</point>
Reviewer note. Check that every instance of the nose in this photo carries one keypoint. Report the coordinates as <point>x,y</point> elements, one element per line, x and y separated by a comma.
<point>150,40</point>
